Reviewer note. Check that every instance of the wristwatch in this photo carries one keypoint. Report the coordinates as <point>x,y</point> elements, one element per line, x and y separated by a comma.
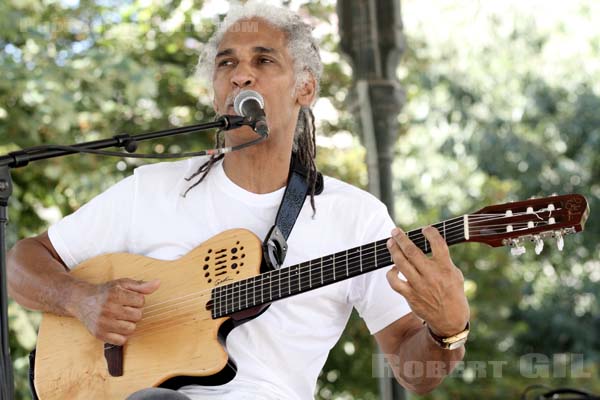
<point>451,342</point>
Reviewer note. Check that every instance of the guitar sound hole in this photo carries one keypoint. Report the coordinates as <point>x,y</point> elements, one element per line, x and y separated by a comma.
<point>205,267</point>
<point>234,266</point>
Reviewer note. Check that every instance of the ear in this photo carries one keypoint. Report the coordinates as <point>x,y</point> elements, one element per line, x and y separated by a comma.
<point>307,91</point>
<point>214,104</point>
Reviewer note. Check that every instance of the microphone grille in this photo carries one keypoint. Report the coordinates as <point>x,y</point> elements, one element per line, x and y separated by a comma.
<point>246,95</point>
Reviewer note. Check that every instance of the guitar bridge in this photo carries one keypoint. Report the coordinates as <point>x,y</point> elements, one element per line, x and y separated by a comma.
<point>114,359</point>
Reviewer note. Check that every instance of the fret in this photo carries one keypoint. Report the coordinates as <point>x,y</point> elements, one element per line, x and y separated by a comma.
<point>346,262</point>
<point>262,288</point>
<point>289,281</point>
<point>375,247</point>
<point>444,230</point>
<point>360,257</point>
<point>310,274</point>
<point>333,267</point>
<point>299,279</point>
<point>218,296</point>
<point>247,290</point>
<point>270,286</point>
<point>321,270</point>
<point>232,304</point>
<point>238,294</point>
<point>425,245</point>
<point>279,273</point>
<point>227,299</point>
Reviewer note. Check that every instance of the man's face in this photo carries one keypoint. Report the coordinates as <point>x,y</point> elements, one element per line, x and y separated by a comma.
<point>257,59</point>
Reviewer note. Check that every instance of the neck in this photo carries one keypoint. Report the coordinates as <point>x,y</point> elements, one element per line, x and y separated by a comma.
<point>262,168</point>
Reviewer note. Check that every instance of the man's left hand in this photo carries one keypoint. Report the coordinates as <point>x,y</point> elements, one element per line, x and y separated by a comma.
<point>434,286</point>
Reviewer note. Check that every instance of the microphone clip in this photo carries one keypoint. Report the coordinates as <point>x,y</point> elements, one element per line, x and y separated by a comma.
<point>235,121</point>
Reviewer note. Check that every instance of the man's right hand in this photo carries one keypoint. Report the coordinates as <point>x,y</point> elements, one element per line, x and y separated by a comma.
<point>110,311</point>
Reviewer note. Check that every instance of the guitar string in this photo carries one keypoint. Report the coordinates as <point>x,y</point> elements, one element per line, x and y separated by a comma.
<point>452,236</point>
<point>416,235</point>
<point>299,270</point>
<point>330,273</point>
<point>419,236</point>
<point>415,240</point>
<point>240,291</point>
<point>368,256</point>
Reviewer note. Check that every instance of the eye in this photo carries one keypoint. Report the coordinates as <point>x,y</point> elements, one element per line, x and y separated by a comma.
<point>224,63</point>
<point>264,60</point>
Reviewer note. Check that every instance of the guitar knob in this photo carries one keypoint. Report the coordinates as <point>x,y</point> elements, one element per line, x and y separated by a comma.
<point>517,250</point>
<point>560,241</point>
<point>539,244</point>
<point>516,247</point>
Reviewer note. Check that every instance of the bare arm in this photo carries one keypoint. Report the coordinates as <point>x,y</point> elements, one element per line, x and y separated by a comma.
<point>434,290</point>
<point>417,362</point>
<point>39,280</point>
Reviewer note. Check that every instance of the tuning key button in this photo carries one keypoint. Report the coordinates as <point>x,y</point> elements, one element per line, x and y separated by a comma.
<point>560,241</point>
<point>539,244</point>
<point>517,250</point>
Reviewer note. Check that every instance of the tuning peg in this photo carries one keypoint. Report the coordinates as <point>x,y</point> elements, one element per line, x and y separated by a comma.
<point>539,244</point>
<point>516,247</point>
<point>560,241</point>
<point>517,250</point>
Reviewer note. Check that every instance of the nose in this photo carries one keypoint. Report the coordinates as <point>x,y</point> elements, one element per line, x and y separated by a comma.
<point>242,77</point>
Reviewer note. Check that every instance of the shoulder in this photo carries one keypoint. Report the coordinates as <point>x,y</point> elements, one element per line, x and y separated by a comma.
<point>343,193</point>
<point>166,176</point>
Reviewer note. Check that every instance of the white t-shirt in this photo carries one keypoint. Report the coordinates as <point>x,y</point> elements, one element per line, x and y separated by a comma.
<point>279,354</point>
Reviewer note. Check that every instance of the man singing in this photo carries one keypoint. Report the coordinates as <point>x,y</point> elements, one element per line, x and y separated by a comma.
<point>415,309</point>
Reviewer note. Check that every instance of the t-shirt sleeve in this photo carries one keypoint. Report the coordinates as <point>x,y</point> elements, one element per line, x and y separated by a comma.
<point>101,226</point>
<point>376,302</point>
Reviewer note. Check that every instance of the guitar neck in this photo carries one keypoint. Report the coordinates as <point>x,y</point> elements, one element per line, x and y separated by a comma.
<point>309,275</point>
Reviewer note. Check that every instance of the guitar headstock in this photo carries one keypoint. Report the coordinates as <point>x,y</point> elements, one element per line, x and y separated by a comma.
<point>513,224</point>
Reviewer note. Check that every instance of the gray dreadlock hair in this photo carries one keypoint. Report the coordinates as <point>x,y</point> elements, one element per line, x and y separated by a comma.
<point>307,63</point>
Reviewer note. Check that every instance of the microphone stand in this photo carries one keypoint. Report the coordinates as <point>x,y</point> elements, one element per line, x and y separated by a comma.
<point>22,158</point>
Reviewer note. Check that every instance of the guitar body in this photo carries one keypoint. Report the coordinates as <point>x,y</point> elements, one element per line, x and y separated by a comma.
<point>176,343</point>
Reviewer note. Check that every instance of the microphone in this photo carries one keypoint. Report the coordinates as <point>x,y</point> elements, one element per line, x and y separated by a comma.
<point>250,104</point>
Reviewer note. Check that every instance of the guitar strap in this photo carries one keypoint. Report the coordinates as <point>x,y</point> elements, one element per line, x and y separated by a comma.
<point>275,244</point>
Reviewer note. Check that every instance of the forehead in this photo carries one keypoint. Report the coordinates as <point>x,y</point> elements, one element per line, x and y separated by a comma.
<point>253,33</point>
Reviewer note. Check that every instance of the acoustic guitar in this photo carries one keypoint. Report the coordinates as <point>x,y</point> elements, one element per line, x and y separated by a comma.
<point>219,285</point>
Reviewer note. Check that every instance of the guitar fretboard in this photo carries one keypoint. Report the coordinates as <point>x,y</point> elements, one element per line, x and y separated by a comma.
<point>279,284</point>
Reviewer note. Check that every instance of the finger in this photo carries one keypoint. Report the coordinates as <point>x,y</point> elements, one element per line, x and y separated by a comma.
<point>126,297</point>
<point>399,285</point>
<point>127,313</point>
<point>114,338</point>
<point>120,327</point>
<point>439,247</point>
<point>402,263</point>
<point>140,286</point>
<point>409,249</point>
